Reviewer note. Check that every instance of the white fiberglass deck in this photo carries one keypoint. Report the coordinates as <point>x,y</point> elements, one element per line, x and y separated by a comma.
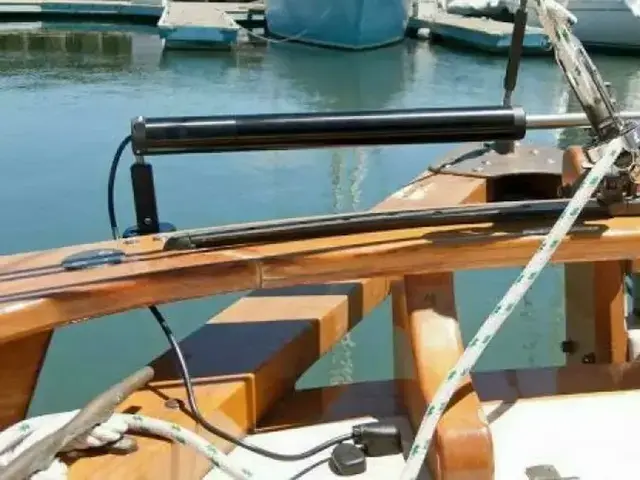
<point>299,439</point>
<point>584,437</point>
<point>581,437</point>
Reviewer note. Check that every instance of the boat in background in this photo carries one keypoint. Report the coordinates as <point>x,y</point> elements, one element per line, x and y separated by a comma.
<point>610,24</point>
<point>348,24</point>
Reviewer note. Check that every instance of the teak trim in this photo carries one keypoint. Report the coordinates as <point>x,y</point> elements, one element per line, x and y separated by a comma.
<point>59,298</point>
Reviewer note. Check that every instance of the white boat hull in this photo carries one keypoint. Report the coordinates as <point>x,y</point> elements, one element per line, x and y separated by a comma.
<point>611,24</point>
<point>603,23</point>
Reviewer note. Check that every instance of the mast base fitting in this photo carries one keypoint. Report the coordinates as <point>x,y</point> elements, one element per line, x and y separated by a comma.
<point>163,227</point>
<point>623,180</point>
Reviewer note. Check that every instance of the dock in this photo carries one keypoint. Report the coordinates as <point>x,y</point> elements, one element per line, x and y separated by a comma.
<point>193,24</point>
<point>144,11</point>
<point>180,24</point>
<point>246,14</point>
<point>478,33</point>
<point>205,25</point>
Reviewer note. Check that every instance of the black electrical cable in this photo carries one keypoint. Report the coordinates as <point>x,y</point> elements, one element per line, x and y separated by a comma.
<point>111,209</point>
<point>215,430</point>
<point>180,360</point>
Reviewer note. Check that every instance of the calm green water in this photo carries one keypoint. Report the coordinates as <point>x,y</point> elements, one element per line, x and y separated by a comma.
<point>67,101</point>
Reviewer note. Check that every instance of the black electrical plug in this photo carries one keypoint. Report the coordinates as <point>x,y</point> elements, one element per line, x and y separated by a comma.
<point>378,439</point>
<point>347,460</point>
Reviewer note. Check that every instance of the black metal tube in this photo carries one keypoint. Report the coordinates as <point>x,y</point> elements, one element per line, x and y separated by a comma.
<point>363,222</point>
<point>166,135</point>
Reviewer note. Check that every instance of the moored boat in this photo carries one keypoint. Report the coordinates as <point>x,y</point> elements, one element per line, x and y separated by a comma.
<point>348,24</point>
<point>604,24</point>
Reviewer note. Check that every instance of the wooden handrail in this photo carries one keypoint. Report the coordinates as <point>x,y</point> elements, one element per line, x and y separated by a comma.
<point>57,298</point>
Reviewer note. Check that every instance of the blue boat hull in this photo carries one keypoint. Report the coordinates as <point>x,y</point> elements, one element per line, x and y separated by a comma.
<point>351,24</point>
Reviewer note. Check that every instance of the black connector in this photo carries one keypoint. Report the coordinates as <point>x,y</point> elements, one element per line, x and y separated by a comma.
<point>347,460</point>
<point>378,439</point>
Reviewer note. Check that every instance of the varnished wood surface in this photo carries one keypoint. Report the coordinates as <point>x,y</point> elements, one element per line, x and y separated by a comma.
<point>334,403</point>
<point>594,293</point>
<point>244,361</point>
<point>238,399</point>
<point>60,297</point>
<point>20,364</point>
<point>428,344</point>
<point>338,307</point>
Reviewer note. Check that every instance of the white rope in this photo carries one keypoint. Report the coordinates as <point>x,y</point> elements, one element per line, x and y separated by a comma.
<point>17,438</point>
<point>573,60</point>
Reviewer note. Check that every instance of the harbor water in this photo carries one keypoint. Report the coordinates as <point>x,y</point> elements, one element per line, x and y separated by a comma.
<point>67,97</point>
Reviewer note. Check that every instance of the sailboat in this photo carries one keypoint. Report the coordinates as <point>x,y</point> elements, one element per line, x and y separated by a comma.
<point>604,24</point>
<point>223,404</point>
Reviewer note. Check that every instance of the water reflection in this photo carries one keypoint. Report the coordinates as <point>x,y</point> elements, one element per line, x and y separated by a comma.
<point>36,40</point>
<point>336,80</point>
<point>347,177</point>
<point>61,51</point>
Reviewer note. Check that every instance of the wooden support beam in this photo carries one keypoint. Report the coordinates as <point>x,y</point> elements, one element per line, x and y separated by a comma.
<point>428,344</point>
<point>20,364</point>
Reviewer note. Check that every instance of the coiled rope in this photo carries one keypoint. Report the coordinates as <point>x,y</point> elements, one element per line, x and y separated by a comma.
<point>17,438</point>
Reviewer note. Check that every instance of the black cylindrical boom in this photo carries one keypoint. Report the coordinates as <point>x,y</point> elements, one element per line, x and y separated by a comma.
<point>166,135</point>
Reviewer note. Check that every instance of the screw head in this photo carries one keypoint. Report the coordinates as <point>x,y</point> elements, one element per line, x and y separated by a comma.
<point>568,346</point>
<point>589,358</point>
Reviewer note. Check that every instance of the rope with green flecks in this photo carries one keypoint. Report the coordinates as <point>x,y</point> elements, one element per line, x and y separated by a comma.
<point>561,38</point>
<point>497,317</point>
<point>13,437</point>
